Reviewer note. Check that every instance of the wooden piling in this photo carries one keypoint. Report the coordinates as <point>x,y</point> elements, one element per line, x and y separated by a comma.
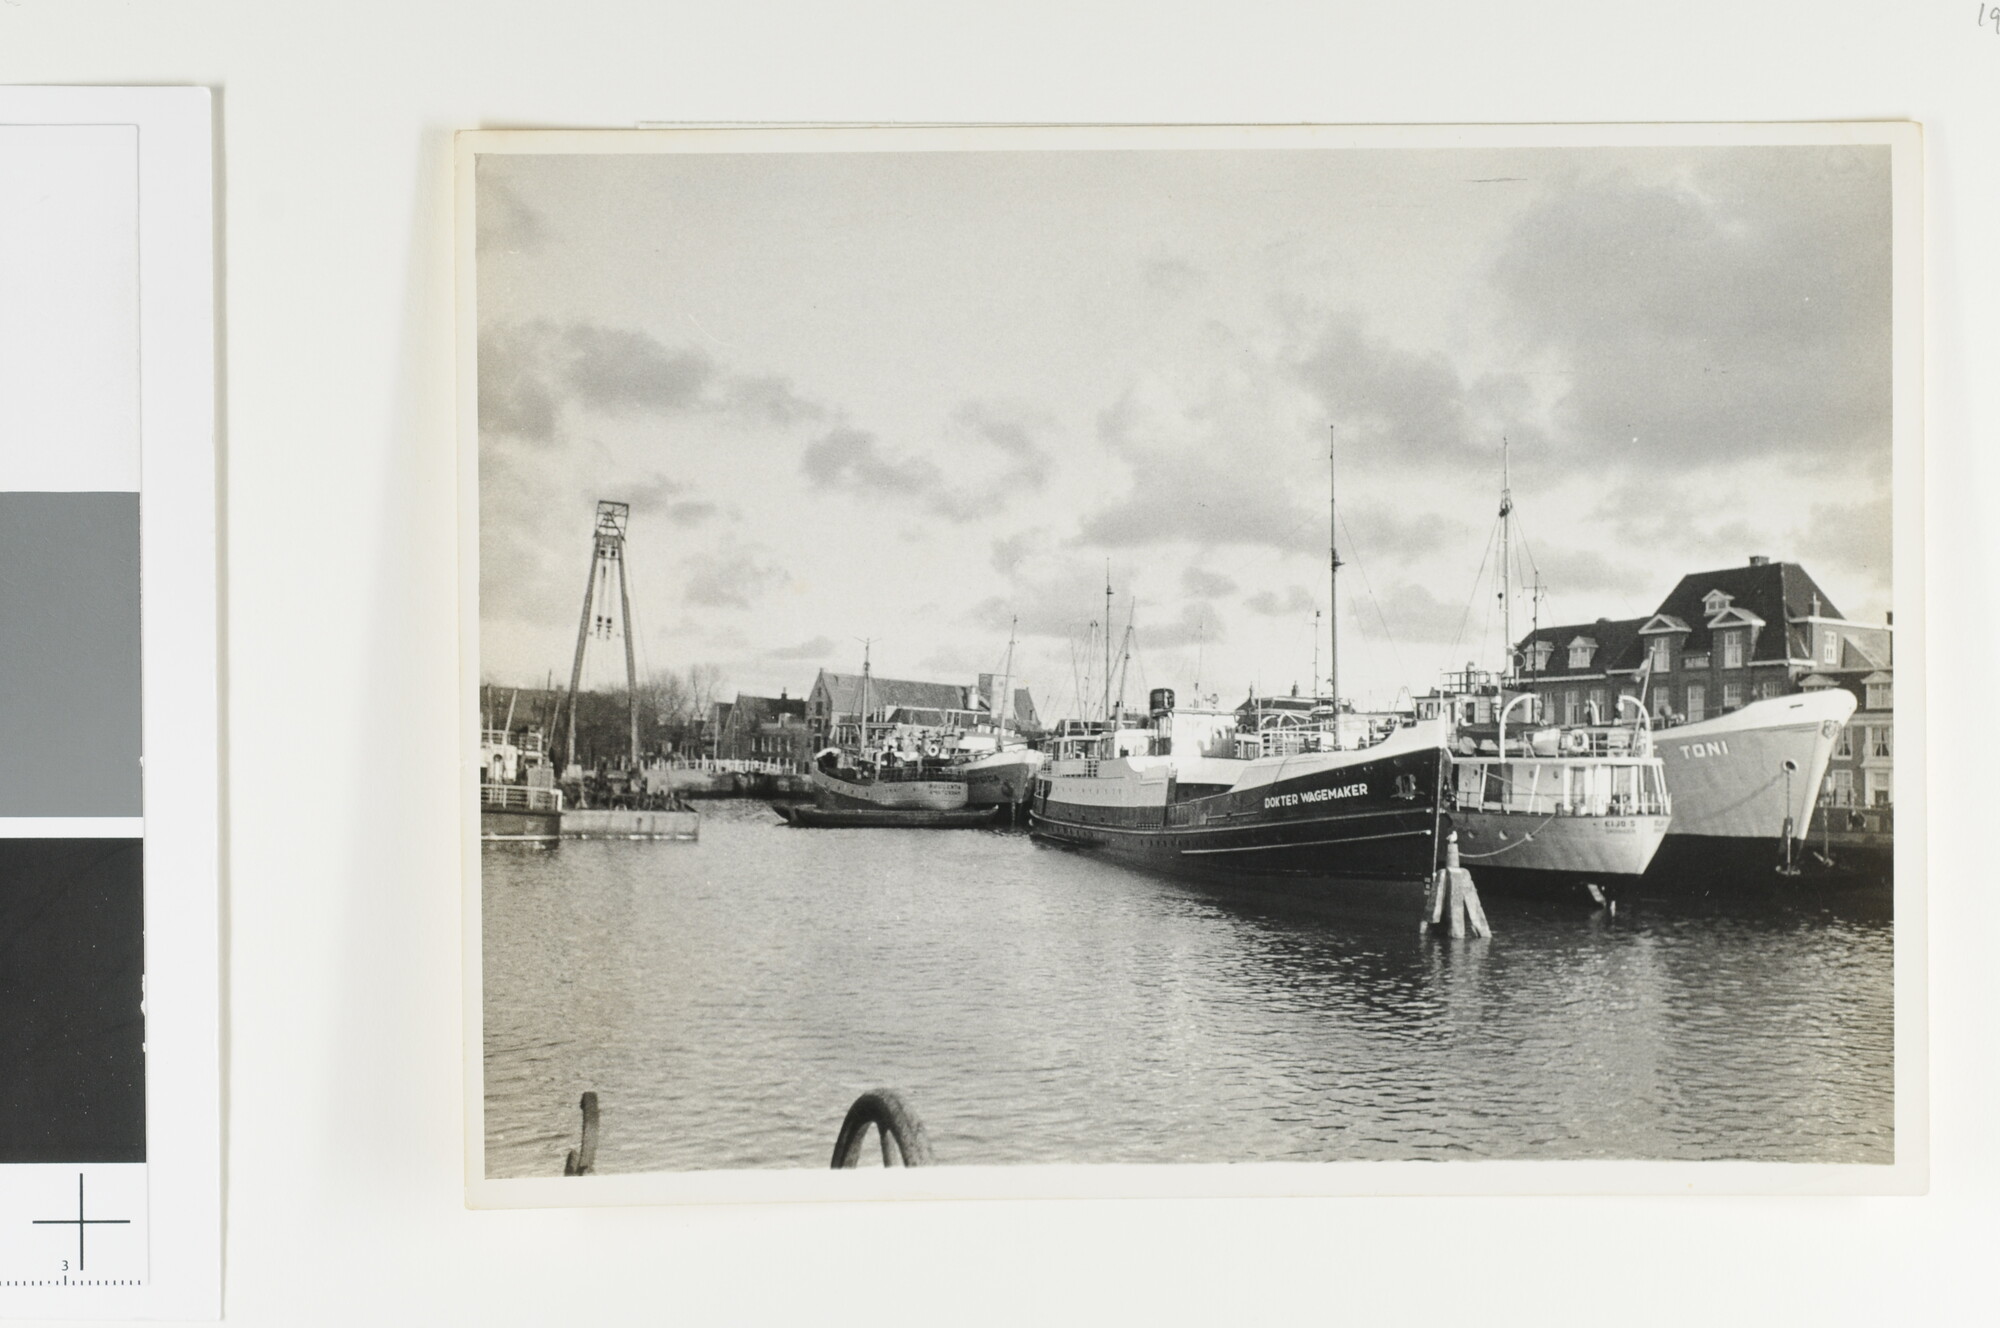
<point>583,1161</point>
<point>1452,901</point>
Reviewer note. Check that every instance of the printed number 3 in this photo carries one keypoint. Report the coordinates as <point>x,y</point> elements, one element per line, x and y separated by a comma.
<point>65,1265</point>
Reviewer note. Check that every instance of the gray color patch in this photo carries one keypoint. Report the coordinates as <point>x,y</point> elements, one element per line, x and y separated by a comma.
<point>69,654</point>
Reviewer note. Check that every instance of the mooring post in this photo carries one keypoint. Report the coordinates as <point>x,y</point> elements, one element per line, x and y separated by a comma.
<point>583,1161</point>
<point>1452,903</point>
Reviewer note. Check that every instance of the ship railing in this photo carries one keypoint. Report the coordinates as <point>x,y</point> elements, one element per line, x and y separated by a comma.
<point>518,798</point>
<point>1628,789</point>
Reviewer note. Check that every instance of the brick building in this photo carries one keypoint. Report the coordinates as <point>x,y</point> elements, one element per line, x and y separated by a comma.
<point>763,728</point>
<point>1717,642</point>
<point>833,706</point>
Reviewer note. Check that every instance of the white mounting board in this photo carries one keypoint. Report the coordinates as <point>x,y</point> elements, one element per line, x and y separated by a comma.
<point>107,385</point>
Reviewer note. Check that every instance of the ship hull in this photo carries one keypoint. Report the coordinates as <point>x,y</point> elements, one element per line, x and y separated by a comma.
<point>535,827</point>
<point>1735,804</point>
<point>886,818</point>
<point>1003,780</point>
<point>937,795</point>
<point>1561,849</point>
<point>1332,816</point>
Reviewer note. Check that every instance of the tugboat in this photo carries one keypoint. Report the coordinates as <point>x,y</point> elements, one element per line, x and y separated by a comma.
<point>1543,806</point>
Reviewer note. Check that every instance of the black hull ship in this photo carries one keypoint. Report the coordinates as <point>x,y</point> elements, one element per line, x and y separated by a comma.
<point>1342,812</point>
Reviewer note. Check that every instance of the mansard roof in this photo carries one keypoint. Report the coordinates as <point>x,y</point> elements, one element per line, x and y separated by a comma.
<point>1611,637</point>
<point>1773,593</point>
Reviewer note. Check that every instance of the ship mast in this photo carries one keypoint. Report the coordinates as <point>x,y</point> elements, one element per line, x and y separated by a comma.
<point>1107,645</point>
<point>1005,701</point>
<point>864,694</point>
<point>1333,575</point>
<point>1506,566</point>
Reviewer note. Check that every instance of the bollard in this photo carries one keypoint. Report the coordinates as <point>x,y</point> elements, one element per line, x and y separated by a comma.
<point>892,1118</point>
<point>1452,903</point>
<point>583,1161</point>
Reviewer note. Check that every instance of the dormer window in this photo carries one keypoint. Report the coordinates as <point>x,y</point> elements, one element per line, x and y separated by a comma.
<point>1538,655</point>
<point>1580,651</point>
<point>1829,648</point>
<point>1732,649</point>
<point>1715,602</point>
<point>1659,654</point>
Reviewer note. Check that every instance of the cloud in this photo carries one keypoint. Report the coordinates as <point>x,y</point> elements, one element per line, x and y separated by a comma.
<point>1195,623</point>
<point>1012,550</point>
<point>853,461</point>
<point>506,224</point>
<point>533,375</point>
<point>1388,404</point>
<point>731,578</point>
<point>1010,429</point>
<point>514,398</point>
<point>817,648</point>
<point>1416,616</point>
<point>1203,584</point>
<point>1743,307</point>
<point>1296,601</point>
<point>850,460</point>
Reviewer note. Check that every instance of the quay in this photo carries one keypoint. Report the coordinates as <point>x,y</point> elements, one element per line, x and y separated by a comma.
<point>623,823</point>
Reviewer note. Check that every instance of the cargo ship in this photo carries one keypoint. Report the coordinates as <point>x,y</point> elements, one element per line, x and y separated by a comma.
<point>1347,797</point>
<point>1744,786</point>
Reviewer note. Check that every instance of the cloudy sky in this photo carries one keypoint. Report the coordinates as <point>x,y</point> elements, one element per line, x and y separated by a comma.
<point>917,396</point>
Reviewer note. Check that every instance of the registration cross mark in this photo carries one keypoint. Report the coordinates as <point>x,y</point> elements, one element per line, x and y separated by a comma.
<point>80,1221</point>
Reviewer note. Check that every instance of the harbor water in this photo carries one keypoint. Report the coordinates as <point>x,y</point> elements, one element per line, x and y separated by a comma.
<point>728,999</point>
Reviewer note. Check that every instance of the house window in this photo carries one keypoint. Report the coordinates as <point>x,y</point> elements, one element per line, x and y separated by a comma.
<point>1580,653</point>
<point>1829,648</point>
<point>1662,704</point>
<point>1659,654</point>
<point>1732,696</point>
<point>1844,744</point>
<point>1767,688</point>
<point>1878,788</point>
<point>1597,715</point>
<point>1697,702</point>
<point>1570,707</point>
<point>1878,744</point>
<point>1732,650</point>
<point>1880,696</point>
<point>1840,787</point>
<point>1539,653</point>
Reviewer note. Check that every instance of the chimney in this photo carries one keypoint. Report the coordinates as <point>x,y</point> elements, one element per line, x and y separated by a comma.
<point>1759,560</point>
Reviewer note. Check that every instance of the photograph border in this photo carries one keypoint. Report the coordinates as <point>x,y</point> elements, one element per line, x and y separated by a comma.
<point>1907,1174</point>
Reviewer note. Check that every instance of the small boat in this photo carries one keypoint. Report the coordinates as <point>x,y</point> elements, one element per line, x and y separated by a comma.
<point>518,798</point>
<point>1557,806</point>
<point>879,818</point>
<point>880,778</point>
<point>1544,806</point>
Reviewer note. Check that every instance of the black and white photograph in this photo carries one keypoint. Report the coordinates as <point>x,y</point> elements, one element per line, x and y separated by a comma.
<point>1119,648</point>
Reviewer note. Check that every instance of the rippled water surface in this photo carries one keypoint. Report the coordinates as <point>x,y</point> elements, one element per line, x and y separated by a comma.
<point>727,1000</point>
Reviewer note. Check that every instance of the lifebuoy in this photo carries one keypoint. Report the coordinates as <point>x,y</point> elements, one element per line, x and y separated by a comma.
<point>1576,741</point>
<point>931,748</point>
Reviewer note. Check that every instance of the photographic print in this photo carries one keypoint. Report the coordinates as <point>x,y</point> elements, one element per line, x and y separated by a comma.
<point>1010,650</point>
